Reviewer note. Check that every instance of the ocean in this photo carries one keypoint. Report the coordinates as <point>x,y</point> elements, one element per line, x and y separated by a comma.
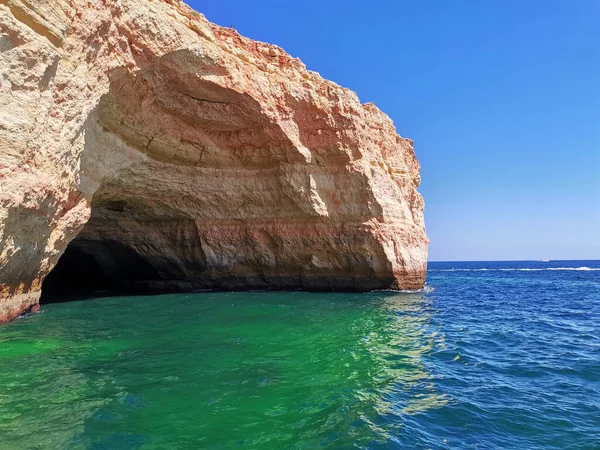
<point>491,355</point>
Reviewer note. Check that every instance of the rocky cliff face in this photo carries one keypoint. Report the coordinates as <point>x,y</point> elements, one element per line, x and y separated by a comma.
<point>177,154</point>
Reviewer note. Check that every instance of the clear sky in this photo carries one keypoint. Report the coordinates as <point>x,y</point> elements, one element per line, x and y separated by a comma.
<point>502,99</point>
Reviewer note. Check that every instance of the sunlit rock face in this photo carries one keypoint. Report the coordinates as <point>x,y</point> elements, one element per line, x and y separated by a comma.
<point>141,134</point>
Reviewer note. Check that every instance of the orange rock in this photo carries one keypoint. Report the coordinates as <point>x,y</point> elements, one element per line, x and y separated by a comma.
<point>219,162</point>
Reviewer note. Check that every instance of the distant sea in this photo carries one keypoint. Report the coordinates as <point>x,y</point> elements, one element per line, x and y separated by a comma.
<point>491,355</point>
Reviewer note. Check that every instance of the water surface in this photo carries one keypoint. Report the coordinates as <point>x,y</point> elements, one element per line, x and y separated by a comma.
<point>507,357</point>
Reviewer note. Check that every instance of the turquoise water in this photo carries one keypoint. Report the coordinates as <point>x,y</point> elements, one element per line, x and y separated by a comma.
<point>507,357</point>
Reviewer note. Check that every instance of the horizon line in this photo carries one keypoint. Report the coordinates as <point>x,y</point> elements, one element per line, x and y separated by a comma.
<point>508,260</point>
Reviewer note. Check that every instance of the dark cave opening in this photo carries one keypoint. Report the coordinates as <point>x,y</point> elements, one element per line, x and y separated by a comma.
<point>97,268</point>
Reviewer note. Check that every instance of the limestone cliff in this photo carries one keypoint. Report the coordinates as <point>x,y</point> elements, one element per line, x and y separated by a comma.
<point>150,137</point>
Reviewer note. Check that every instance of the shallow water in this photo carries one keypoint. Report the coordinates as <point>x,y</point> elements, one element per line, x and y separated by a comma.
<point>483,359</point>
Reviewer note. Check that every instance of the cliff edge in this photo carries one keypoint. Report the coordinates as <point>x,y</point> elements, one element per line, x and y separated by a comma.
<point>179,155</point>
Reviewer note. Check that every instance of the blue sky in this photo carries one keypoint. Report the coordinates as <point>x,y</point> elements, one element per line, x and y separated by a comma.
<point>502,99</point>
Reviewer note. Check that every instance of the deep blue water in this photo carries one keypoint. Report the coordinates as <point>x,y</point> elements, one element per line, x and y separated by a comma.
<point>492,355</point>
<point>527,338</point>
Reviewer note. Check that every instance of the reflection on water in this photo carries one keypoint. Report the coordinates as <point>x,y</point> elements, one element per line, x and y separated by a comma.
<point>270,370</point>
<point>396,348</point>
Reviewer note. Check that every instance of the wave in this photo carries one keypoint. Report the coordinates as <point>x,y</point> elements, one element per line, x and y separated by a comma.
<point>516,269</point>
<point>425,290</point>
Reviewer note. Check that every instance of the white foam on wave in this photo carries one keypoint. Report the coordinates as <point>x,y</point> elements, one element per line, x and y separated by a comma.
<point>517,269</point>
<point>425,290</point>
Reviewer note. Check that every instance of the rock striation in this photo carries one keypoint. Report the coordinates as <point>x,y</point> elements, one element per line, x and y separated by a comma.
<point>179,155</point>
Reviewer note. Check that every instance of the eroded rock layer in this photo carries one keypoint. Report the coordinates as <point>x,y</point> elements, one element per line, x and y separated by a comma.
<point>155,138</point>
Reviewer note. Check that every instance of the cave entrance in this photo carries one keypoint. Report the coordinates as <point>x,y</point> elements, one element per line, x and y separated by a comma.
<point>96,268</point>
